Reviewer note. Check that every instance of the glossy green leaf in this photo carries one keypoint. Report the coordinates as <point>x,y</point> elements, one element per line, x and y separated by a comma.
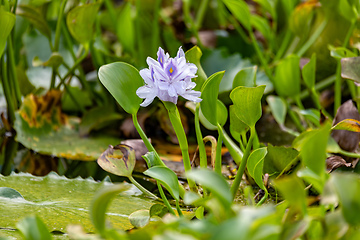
<point>248,103</point>
<point>125,28</point>
<point>278,108</point>
<point>32,228</point>
<point>341,52</point>
<point>308,72</point>
<point>214,182</point>
<point>119,160</point>
<point>293,190</point>
<point>236,125</point>
<point>255,165</point>
<point>245,77</point>
<point>34,16</point>
<point>59,201</point>
<point>313,146</point>
<point>100,204</point>
<point>279,159</point>
<point>80,21</point>
<point>140,218</point>
<point>350,68</point>
<point>241,11</point>
<point>152,160</point>
<point>193,55</point>
<point>222,113</point>
<point>167,178</point>
<point>122,80</point>
<point>7,21</point>
<point>209,96</point>
<point>347,186</point>
<point>348,124</point>
<point>287,77</point>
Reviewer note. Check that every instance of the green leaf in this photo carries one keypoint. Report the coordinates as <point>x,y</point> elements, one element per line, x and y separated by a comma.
<point>140,218</point>
<point>209,96</point>
<point>347,186</point>
<point>279,159</point>
<point>287,77</point>
<point>100,204</point>
<point>248,103</point>
<point>158,210</point>
<point>350,68</point>
<point>80,21</point>
<point>293,190</point>
<point>241,12</point>
<point>221,112</point>
<point>341,52</point>
<point>347,11</point>
<point>308,72</point>
<point>245,77</point>
<point>167,178</point>
<point>32,228</point>
<point>193,55</point>
<point>119,160</point>
<point>6,192</point>
<point>7,21</point>
<point>34,17</point>
<point>255,166</point>
<point>122,80</point>
<point>278,108</point>
<point>214,182</point>
<point>59,201</point>
<point>348,124</point>
<point>262,25</point>
<point>152,160</point>
<point>125,29</point>
<point>237,127</point>
<point>311,114</point>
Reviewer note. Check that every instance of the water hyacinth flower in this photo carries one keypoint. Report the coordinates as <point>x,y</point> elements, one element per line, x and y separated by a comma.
<point>168,78</point>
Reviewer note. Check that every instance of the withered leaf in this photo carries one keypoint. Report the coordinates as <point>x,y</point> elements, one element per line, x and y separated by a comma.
<point>334,162</point>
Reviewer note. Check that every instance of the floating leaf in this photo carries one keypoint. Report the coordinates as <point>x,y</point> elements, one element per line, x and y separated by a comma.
<point>140,218</point>
<point>248,103</point>
<point>122,80</point>
<point>32,228</point>
<point>167,178</point>
<point>7,21</point>
<point>80,21</point>
<point>214,182</point>
<point>255,165</point>
<point>350,68</point>
<point>60,201</point>
<point>119,160</point>
<point>6,192</point>
<point>348,124</point>
<point>209,96</point>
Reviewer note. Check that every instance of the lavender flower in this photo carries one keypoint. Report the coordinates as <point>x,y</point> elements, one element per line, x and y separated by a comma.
<point>167,78</point>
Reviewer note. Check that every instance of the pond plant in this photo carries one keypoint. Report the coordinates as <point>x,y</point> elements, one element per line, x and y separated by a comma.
<point>289,55</point>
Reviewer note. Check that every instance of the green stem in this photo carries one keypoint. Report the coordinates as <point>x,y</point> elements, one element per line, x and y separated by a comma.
<point>175,120</point>
<point>200,14</point>
<point>110,7</point>
<point>295,118</point>
<point>320,85</point>
<point>298,102</point>
<point>234,150</point>
<point>349,154</point>
<point>284,44</point>
<point>235,185</point>
<point>260,55</point>
<point>199,137</point>
<point>262,200</point>
<point>178,209</point>
<point>12,65</point>
<point>312,39</point>
<point>7,92</point>
<point>337,87</point>
<point>218,160</point>
<point>166,202</point>
<point>155,26</point>
<point>58,26</point>
<point>141,188</point>
<point>349,33</point>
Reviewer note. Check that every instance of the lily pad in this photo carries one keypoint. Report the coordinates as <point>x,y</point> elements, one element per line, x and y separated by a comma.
<point>42,127</point>
<point>60,201</point>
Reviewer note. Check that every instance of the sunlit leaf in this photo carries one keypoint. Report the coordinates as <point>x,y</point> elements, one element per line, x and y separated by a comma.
<point>278,108</point>
<point>80,21</point>
<point>248,103</point>
<point>209,95</point>
<point>167,178</point>
<point>193,55</point>
<point>214,182</point>
<point>6,192</point>
<point>221,112</point>
<point>60,201</point>
<point>122,80</point>
<point>279,159</point>
<point>236,125</point>
<point>308,72</point>
<point>35,17</point>
<point>140,218</point>
<point>7,21</point>
<point>245,77</point>
<point>255,165</point>
<point>348,124</point>
<point>32,228</point>
<point>119,160</point>
<point>125,28</point>
<point>287,77</point>
<point>350,68</point>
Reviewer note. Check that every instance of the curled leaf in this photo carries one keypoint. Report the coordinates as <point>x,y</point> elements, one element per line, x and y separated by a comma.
<point>348,124</point>
<point>334,162</point>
